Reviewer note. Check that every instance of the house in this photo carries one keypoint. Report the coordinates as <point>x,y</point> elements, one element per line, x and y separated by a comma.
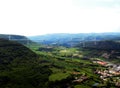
<point>101,63</point>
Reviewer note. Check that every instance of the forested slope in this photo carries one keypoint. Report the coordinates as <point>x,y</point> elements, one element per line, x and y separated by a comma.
<point>19,67</point>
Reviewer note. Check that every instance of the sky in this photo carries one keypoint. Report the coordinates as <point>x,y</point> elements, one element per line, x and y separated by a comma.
<point>37,17</point>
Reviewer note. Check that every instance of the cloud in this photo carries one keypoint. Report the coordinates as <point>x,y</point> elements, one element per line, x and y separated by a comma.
<point>96,3</point>
<point>96,15</point>
<point>34,17</point>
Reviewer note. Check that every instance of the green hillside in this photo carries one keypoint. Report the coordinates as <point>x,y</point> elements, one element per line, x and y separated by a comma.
<point>110,50</point>
<point>102,45</point>
<point>19,67</point>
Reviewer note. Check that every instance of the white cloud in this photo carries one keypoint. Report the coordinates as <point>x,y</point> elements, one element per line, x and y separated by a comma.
<point>34,17</point>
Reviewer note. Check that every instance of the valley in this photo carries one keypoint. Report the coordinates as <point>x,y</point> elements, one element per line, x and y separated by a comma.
<point>72,68</point>
<point>59,43</point>
<point>63,64</point>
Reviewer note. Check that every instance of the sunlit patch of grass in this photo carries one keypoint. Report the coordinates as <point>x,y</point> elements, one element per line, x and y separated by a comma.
<point>58,76</point>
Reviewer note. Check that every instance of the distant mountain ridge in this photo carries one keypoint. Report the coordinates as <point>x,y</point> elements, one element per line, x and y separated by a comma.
<point>66,39</point>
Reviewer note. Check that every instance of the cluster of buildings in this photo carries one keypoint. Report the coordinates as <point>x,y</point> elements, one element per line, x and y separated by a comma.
<point>109,74</point>
<point>112,72</point>
<point>79,79</point>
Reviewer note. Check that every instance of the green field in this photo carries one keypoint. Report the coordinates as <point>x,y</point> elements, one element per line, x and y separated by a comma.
<point>62,62</point>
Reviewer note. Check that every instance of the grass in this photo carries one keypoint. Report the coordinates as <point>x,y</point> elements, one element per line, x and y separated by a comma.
<point>58,76</point>
<point>81,86</point>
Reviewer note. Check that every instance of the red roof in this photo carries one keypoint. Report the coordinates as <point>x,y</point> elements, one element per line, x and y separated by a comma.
<point>101,63</point>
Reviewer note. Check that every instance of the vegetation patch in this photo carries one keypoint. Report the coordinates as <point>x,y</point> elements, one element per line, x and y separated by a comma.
<point>58,76</point>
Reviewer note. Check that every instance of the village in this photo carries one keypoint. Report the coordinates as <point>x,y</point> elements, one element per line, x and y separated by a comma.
<point>111,73</point>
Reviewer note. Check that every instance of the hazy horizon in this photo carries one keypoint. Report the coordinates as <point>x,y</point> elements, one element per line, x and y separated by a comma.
<point>38,17</point>
<point>57,33</point>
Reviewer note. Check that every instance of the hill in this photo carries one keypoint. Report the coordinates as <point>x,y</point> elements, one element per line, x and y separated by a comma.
<point>19,67</point>
<point>101,45</point>
<point>19,38</point>
<point>110,50</point>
